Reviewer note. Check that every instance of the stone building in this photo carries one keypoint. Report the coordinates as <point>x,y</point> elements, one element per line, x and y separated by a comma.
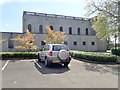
<point>80,35</point>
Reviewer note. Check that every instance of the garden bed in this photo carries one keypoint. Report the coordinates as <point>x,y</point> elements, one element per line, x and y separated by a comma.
<point>94,57</point>
<point>18,55</point>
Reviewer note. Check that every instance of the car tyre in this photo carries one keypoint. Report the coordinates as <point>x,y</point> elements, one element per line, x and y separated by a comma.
<point>39,60</point>
<point>47,63</point>
<point>66,64</point>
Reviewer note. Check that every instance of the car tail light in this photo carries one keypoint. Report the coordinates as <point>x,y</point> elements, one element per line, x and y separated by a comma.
<point>50,53</point>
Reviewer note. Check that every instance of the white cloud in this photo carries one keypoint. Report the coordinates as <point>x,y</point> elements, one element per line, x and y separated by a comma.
<point>1,1</point>
<point>6,25</point>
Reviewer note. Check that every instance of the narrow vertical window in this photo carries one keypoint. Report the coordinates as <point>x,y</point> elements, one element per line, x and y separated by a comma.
<point>86,31</point>
<point>61,29</point>
<point>51,27</point>
<point>70,30</point>
<point>29,27</point>
<point>41,29</point>
<point>78,31</point>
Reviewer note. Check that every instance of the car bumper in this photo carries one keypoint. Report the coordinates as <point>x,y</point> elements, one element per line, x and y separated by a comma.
<point>57,60</point>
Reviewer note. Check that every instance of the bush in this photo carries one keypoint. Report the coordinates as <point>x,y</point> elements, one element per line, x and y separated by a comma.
<point>115,52</point>
<point>92,56</point>
<point>21,55</point>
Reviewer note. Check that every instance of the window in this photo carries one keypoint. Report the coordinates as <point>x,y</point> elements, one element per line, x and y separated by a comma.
<point>65,42</point>
<point>42,43</point>
<point>51,27</point>
<point>46,48</point>
<point>59,47</point>
<point>84,43</point>
<point>29,27</point>
<point>61,29</point>
<point>75,43</point>
<point>41,29</point>
<point>10,44</point>
<point>92,43</point>
<point>78,31</point>
<point>86,31</point>
<point>70,30</point>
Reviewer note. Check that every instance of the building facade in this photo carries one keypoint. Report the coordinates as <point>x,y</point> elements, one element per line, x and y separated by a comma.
<point>79,34</point>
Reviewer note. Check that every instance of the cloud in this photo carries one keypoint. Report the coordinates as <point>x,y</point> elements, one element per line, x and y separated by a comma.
<point>6,25</point>
<point>1,2</point>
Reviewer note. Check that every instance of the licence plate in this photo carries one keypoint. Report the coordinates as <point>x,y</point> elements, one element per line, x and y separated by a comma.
<point>56,61</point>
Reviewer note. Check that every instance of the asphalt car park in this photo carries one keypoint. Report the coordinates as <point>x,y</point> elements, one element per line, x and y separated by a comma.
<point>78,74</point>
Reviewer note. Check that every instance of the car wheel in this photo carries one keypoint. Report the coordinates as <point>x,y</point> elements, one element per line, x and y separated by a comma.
<point>39,60</point>
<point>66,64</point>
<point>47,63</point>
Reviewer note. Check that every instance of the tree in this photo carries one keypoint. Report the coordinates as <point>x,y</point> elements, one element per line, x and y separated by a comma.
<point>54,37</point>
<point>26,42</point>
<point>106,23</point>
<point>101,27</point>
<point>1,41</point>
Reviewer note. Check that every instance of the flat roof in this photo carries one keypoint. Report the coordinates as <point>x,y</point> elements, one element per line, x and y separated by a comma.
<point>55,16</point>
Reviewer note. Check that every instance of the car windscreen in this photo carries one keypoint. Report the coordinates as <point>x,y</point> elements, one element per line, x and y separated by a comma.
<point>59,47</point>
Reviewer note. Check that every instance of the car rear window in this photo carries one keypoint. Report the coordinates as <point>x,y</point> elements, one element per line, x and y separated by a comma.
<point>59,47</point>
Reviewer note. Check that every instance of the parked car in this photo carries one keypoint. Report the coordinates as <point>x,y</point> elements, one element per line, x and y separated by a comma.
<point>55,53</point>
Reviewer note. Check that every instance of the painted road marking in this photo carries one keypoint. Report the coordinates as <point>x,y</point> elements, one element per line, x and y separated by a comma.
<point>37,64</point>
<point>5,65</point>
<point>27,60</point>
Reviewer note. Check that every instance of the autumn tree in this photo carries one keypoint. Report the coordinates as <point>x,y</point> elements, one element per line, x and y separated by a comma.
<point>54,37</point>
<point>26,42</point>
<point>106,23</point>
<point>1,41</point>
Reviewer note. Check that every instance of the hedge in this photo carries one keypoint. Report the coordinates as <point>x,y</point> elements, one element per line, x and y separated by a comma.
<point>23,55</point>
<point>92,56</point>
<point>115,52</point>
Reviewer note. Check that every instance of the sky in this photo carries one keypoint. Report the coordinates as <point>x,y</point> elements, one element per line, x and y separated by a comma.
<point>11,11</point>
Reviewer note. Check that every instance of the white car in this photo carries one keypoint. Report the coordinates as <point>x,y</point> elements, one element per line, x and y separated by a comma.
<point>54,53</point>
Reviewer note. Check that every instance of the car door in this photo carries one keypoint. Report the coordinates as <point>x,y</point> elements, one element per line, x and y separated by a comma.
<point>46,51</point>
<point>42,54</point>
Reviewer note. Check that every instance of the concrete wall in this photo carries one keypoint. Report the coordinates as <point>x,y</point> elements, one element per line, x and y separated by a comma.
<point>8,36</point>
<point>36,19</point>
<point>100,45</point>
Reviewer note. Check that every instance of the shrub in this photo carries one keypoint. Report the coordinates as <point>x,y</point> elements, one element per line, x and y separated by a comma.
<point>115,52</point>
<point>92,56</point>
<point>23,55</point>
